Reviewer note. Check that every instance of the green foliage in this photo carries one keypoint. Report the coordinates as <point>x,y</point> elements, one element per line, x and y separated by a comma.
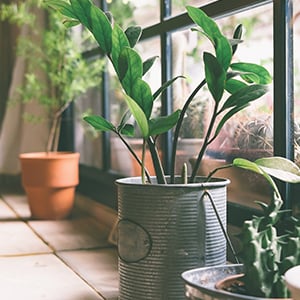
<point>56,72</point>
<point>266,253</point>
<point>117,44</point>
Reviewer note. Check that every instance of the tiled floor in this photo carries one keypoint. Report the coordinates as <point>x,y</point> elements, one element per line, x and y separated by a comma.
<point>54,260</point>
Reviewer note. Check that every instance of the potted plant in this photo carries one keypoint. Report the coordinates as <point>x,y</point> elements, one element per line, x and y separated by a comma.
<point>157,236</point>
<point>266,253</point>
<point>56,74</point>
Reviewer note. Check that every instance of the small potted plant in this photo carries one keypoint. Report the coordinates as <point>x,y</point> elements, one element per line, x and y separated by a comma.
<point>56,74</point>
<point>267,252</point>
<point>157,235</point>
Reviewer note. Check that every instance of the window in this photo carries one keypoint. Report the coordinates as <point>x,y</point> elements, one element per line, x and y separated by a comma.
<point>270,27</point>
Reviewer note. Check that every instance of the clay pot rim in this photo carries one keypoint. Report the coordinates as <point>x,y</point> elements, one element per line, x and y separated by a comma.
<point>49,155</point>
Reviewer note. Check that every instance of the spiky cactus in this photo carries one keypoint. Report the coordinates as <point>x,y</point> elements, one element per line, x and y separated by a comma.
<point>266,253</point>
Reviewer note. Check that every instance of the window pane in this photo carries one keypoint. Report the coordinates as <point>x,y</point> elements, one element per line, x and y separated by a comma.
<point>121,160</point>
<point>250,133</point>
<point>179,6</point>
<point>87,141</point>
<point>141,12</point>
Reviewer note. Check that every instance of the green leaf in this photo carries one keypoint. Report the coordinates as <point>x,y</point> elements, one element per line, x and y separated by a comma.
<point>63,7</point>
<point>233,85</point>
<point>237,35</point>
<point>245,95</point>
<point>130,67</point>
<point>165,86</point>
<point>82,10</point>
<point>138,115</point>
<point>101,29</point>
<point>133,34</point>
<point>254,167</point>
<point>214,75</point>
<point>119,42</point>
<point>223,52</point>
<point>261,75</point>
<point>141,93</point>
<point>128,130</point>
<point>147,64</point>
<point>124,119</point>
<point>280,168</point>
<point>163,124</point>
<point>99,123</point>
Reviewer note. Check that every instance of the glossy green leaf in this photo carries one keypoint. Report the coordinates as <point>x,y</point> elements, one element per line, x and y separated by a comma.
<point>99,123</point>
<point>125,118</point>
<point>63,7</point>
<point>147,64</point>
<point>223,52</point>
<point>245,95</point>
<point>133,34</point>
<point>130,68</point>
<point>119,41</point>
<point>214,75</point>
<point>139,116</point>
<point>233,85</point>
<point>128,130</point>
<point>82,9</point>
<point>142,94</point>
<point>237,35</point>
<point>280,168</point>
<point>261,75</point>
<point>163,124</point>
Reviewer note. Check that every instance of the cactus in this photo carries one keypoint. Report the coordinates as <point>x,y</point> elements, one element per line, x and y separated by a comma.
<point>266,253</point>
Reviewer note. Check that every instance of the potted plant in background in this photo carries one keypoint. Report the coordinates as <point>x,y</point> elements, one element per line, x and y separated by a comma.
<point>56,74</point>
<point>166,223</point>
<point>267,252</point>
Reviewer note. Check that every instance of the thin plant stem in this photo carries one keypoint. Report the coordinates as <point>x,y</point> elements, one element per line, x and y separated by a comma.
<point>178,127</point>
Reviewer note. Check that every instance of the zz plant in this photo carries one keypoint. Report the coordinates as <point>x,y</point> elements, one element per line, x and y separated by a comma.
<point>232,86</point>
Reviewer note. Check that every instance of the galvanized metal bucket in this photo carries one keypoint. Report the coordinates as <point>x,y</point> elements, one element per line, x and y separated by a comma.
<point>164,230</point>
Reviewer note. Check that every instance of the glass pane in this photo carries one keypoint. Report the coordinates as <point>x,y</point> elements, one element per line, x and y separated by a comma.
<point>141,12</point>
<point>87,141</point>
<point>178,6</point>
<point>250,133</point>
<point>121,160</point>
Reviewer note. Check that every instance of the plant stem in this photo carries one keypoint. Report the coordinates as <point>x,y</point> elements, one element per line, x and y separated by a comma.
<point>134,155</point>
<point>160,176</point>
<point>178,127</point>
<point>206,142</point>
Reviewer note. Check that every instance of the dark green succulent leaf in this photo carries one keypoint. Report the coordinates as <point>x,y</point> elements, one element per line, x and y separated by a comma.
<point>280,168</point>
<point>119,41</point>
<point>142,94</point>
<point>163,124</point>
<point>130,68</point>
<point>128,130</point>
<point>245,95</point>
<point>165,86</point>
<point>214,75</point>
<point>133,34</point>
<point>237,35</point>
<point>138,115</point>
<point>99,123</point>
<point>262,76</point>
<point>233,85</point>
<point>147,64</point>
<point>82,9</point>
<point>63,7</point>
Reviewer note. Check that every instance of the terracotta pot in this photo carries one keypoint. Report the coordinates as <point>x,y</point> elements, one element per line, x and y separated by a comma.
<point>49,180</point>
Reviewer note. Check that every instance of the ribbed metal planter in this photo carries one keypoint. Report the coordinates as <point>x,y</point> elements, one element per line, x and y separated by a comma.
<point>165,230</point>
